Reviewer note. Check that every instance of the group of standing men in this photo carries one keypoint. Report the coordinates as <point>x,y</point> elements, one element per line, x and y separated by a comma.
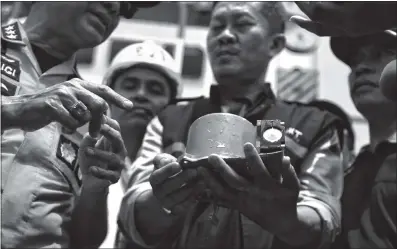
<point>55,179</point>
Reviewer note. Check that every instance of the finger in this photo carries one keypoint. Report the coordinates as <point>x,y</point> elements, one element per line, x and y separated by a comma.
<point>256,166</point>
<point>176,198</point>
<point>176,182</point>
<point>160,175</point>
<point>163,159</point>
<point>184,206</point>
<point>320,29</point>
<point>220,191</point>
<point>115,139</point>
<point>290,178</point>
<point>97,107</point>
<point>60,114</point>
<point>104,174</point>
<point>227,173</point>
<point>111,122</point>
<point>77,109</point>
<point>108,94</point>
<point>113,161</point>
<point>318,11</point>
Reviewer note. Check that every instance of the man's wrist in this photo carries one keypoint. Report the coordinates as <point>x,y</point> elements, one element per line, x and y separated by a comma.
<point>305,230</point>
<point>92,184</point>
<point>10,106</point>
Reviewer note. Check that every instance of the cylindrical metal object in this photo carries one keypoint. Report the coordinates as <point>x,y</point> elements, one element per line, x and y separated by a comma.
<point>222,134</point>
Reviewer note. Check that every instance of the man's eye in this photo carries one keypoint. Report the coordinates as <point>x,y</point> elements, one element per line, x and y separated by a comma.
<point>129,85</point>
<point>243,24</point>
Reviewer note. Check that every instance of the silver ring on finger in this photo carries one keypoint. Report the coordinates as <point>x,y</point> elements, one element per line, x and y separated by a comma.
<point>78,110</point>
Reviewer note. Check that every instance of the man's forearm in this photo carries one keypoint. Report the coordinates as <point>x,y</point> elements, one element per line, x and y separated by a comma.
<point>152,221</point>
<point>306,230</point>
<point>89,219</point>
<point>9,115</point>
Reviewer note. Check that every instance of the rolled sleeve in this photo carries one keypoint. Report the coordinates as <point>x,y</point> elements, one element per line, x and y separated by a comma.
<point>321,182</point>
<point>137,181</point>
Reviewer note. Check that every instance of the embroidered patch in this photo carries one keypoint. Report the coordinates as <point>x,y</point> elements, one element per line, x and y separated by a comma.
<point>10,67</point>
<point>8,88</point>
<point>11,32</point>
<point>67,153</point>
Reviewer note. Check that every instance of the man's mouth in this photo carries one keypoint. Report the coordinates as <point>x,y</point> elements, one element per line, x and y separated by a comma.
<point>362,87</point>
<point>227,52</point>
<point>140,112</point>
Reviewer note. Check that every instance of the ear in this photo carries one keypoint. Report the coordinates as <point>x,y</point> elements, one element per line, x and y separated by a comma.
<point>276,44</point>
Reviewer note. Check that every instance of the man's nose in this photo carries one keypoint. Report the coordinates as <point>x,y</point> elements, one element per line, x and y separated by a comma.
<point>141,95</point>
<point>227,37</point>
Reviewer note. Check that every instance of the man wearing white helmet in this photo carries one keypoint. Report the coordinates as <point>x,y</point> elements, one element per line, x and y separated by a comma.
<point>147,75</point>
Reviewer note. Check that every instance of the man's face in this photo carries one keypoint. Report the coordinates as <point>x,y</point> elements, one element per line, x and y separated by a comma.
<point>75,24</point>
<point>148,89</point>
<point>238,40</point>
<point>366,68</point>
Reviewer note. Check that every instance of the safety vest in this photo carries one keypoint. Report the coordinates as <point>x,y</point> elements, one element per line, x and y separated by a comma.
<point>303,125</point>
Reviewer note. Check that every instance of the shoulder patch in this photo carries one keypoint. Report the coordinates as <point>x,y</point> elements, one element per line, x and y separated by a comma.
<point>67,152</point>
<point>10,67</point>
<point>11,33</point>
<point>8,88</point>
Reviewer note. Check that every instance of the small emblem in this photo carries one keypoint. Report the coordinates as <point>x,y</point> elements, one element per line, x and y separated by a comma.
<point>8,88</point>
<point>294,133</point>
<point>11,32</point>
<point>10,67</point>
<point>67,152</point>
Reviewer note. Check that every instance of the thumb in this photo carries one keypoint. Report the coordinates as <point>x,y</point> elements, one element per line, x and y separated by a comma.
<point>307,24</point>
<point>290,178</point>
<point>162,160</point>
<point>87,141</point>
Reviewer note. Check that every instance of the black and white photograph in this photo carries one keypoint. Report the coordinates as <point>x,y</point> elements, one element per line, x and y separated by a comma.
<point>198,125</point>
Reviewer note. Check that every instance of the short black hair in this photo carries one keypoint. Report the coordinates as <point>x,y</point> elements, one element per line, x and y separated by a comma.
<point>274,12</point>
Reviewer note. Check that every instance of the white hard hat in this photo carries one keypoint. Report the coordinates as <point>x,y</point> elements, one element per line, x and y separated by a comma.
<point>150,54</point>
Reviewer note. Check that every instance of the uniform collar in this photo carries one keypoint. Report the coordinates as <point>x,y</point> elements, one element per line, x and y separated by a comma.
<point>14,35</point>
<point>66,68</point>
<point>251,99</point>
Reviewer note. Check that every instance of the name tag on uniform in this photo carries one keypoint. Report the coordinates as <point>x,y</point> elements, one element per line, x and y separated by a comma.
<point>67,153</point>
<point>10,67</point>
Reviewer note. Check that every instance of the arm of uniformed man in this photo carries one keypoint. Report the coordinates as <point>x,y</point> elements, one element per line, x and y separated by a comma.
<point>72,103</point>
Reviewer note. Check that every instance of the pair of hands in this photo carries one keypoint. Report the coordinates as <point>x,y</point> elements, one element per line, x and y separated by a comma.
<point>345,18</point>
<point>269,199</point>
<point>102,160</point>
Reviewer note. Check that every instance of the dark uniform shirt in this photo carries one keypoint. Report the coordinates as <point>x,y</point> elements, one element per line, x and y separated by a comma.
<point>377,221</point>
